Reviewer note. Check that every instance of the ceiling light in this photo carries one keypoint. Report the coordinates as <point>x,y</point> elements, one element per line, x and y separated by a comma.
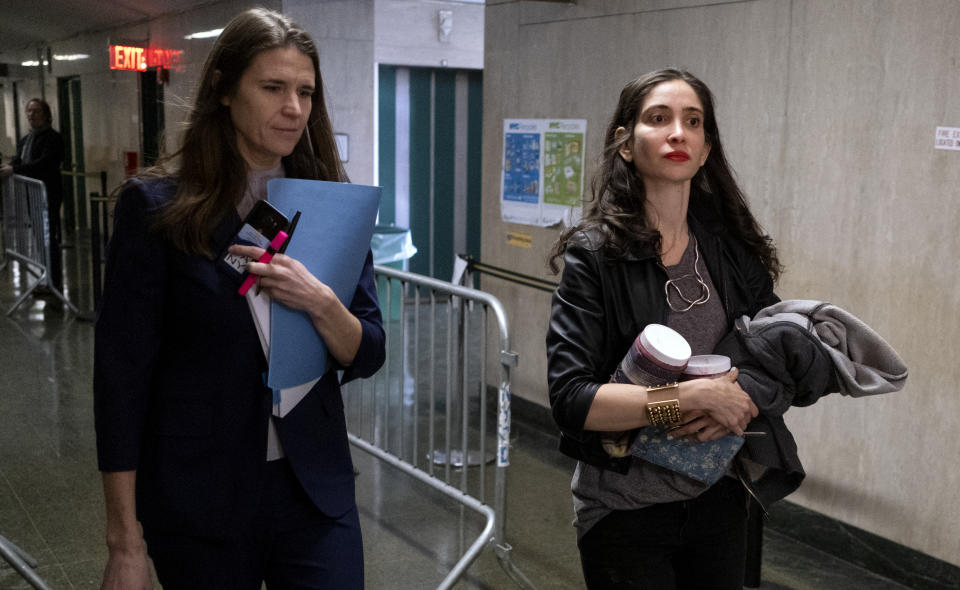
<point>33,63</point>
<point>71,57</point>
<point>204,34</point>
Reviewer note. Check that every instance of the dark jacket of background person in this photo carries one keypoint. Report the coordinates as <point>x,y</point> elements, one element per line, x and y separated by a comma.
<point>43,162</point>
<point>178,383</point>
<point>601,306</point>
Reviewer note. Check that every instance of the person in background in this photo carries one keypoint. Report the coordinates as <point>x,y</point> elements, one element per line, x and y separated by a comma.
<point>40,155</point>
<point>197,473</point>
<point>668,239</point>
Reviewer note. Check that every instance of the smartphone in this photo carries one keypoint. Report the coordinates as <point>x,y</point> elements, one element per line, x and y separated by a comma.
<point>258,229</point>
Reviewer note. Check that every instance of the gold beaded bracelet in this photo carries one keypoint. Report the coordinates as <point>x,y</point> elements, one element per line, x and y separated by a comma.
<point>666,412</point>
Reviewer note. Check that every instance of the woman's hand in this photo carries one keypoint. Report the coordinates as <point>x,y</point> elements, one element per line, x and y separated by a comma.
<point>288,281</point>
<point>285,279</point>
<point>698,427</point>
<point>715,407</point>
<point>127,569</point>
<point>127,565</point>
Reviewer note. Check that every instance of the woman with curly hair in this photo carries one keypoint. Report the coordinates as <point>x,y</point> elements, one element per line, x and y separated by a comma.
<point>667,239</point>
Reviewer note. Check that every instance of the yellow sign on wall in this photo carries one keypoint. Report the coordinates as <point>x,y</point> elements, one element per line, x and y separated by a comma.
<point>518,239</point>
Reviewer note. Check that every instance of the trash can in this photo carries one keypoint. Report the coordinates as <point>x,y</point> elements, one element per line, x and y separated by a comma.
<point>391,245</point>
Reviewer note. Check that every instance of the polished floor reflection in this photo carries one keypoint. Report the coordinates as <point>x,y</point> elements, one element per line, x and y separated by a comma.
<point>51,504</point>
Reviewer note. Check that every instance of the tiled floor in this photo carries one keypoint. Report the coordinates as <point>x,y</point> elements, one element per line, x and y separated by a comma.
<point>51,505</point>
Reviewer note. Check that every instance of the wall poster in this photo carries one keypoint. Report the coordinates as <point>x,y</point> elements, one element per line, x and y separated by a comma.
<point>542,172</point>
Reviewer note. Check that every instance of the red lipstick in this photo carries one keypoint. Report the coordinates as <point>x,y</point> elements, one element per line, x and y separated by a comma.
<point>677,156</point>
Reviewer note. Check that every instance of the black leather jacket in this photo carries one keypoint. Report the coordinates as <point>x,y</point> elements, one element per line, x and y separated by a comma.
<point>601,305</point>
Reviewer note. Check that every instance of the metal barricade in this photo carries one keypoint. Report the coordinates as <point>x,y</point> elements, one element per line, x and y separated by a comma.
<point>425,411</point>
<point>22,563</point>
<point>26,234</point>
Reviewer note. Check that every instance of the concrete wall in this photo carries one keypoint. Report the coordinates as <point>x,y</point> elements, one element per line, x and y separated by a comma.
<point>827,110</point>
<point>343,32</point>
<point>407,34</point>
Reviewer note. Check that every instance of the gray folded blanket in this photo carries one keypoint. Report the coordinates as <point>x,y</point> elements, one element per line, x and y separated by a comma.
<point>792,354</point>
<point>864,362</point>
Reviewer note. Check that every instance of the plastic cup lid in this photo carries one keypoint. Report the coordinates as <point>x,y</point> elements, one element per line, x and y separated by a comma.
<point>707,364</point>
<point>665,345</point>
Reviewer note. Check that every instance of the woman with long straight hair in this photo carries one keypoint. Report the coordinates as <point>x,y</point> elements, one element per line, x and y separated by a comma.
<point>667,239</point>
<point>197,473</point>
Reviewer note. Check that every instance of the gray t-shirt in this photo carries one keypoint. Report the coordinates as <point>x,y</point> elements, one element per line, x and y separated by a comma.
<point>597,492</point>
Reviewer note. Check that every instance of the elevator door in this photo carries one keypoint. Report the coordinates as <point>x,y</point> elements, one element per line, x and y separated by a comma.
<point>429,154</point>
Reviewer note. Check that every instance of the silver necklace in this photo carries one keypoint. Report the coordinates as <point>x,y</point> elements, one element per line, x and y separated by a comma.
<point>704,289</point>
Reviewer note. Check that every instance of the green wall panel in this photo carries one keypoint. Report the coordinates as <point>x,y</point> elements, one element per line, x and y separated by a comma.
<point>388,143</point>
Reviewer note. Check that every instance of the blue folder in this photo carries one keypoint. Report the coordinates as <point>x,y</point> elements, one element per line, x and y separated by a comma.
<point>332,240</point>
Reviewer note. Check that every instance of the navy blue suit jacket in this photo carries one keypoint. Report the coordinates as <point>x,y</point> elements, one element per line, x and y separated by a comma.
<point>178,383</point>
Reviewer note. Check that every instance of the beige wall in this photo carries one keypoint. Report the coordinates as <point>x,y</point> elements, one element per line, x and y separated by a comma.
<point>343,32</point>
<point>827,110</point>
<point>407,34</point>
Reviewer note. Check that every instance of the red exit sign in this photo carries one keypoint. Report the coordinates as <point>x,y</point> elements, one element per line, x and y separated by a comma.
<point>123,57</point>
<point>138,59</point>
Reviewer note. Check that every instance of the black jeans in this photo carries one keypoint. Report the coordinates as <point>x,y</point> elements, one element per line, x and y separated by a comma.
<point>686,545</point>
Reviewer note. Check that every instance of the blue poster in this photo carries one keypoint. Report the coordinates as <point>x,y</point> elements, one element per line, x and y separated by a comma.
<point>521,167</point>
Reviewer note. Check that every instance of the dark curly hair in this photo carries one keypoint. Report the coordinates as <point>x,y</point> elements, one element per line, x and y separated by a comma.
<point>616,206</point>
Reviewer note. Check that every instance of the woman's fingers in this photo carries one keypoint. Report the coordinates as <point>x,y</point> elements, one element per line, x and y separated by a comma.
<point>253,252</point>
<point>730,405</point>
<point>276,269</point>
<point>723,408</point>
<point>288,281</point>
<point>700,429</point>
<point>712,432</point>
<point>693,422</point>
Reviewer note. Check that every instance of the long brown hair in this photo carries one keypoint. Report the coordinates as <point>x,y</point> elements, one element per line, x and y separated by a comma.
<point>210,172</point>
<point>618,198</point>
